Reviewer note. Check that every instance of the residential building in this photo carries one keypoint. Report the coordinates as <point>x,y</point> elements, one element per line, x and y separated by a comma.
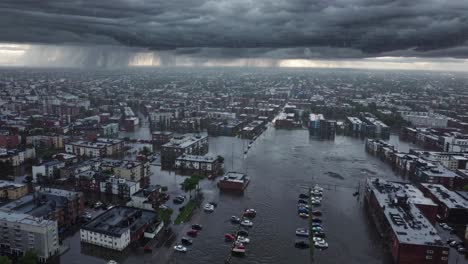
<point>119,187</point>
<point>410,235</point>
<point>425,119</point>
<point>117,227</point>
<point>198,164</point>
<point>452,207</point>
<point>22,233</point>
<point>59,205</point>
<point>194,144</point>
<point>102,147</point>
<point>48,170</point>
<point>12,191</point>
<point>138,171</point>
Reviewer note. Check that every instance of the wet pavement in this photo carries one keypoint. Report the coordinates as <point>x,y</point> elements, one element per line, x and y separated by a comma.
<point>281,164</point>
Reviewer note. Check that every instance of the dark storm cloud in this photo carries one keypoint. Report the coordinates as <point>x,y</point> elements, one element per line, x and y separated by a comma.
<point>246,28</point>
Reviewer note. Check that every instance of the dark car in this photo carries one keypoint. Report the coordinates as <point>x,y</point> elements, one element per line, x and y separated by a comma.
<point>319,234</point>
<point>186,241</point>
<point>302,201</point>
<point>178,200</point>
<point>242,233</point>
<point>213,204</point>
<point>301,244</point>
<point>316,220</point>
<point>197,227</point>
<point>317,213</point>
<point>192,233</point>
<point>303,196</point>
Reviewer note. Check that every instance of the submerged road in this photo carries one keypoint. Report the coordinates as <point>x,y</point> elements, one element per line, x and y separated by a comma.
<point>281,164</point>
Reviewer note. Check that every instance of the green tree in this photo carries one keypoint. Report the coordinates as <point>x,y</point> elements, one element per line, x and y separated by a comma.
<point>5,260</point>
<point>190,184</point>
<point>28,258</point>
<point>220,159</point>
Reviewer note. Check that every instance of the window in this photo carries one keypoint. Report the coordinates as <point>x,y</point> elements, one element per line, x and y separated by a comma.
<point>430,251</point>
<point>428,257</point>
<point>444,258</point>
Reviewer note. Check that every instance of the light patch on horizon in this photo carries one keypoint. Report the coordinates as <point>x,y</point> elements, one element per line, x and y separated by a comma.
<point>144,59</point>
<point>381,63</point>
<point>12,54</point>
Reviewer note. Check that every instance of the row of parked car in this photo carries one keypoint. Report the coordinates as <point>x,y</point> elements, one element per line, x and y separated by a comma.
<point>316,228</point>
<point>185,241</point>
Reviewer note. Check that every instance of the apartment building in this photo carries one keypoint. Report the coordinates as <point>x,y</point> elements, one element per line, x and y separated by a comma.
<point>23,232</point>
<point>12,191</point>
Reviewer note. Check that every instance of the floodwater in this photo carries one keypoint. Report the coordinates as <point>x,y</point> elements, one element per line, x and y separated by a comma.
<point>281,164</point>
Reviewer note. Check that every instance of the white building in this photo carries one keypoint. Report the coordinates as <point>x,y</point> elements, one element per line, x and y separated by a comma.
<point>47,169</point>
<point>22,232</point>
<point>117,227</point>
<point>424,119</point>
<point>113,240</point>
<point>120,187</point>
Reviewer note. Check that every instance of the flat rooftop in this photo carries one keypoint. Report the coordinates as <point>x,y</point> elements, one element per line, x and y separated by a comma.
<point>24,219</point>
<point>185,141</point>
<point>399,207</point>
<point>440,171</point>
<point>41,203</point>
<point>451,199</point>
<point>315,117</point>
<point>197,158</point>
<point>116,221</point>
<point>9,184</point>
<point>126,164</point>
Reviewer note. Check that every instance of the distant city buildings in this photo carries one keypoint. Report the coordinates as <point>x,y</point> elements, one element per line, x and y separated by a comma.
<point>425,119</point>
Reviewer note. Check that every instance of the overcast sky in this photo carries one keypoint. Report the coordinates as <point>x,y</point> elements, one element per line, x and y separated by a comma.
<point>234,32</point>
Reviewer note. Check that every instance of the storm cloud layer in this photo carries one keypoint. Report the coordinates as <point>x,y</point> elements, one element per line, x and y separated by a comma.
<point>277,29</point>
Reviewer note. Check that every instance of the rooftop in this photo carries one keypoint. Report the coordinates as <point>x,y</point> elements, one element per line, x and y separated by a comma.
<point>119,219</point>
<point>450,198</point>
<point>24,219</point>
<point>234,176</point>
<point>9,184</point>
<point>185,140</point>
<point>398,202</point>
<point>197,158</point>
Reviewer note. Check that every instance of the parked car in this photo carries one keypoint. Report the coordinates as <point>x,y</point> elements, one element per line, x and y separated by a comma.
<point>209,208</point>
<point>242,233</point>
<point>301,244</point>
<point>197,227</point>
<point>186,241</point>
<point>163,207</point>
<point>180,248</point>
<point>192,233</point>
<point>229,237</point>
<point>445,226</point>
<point>98,205</point>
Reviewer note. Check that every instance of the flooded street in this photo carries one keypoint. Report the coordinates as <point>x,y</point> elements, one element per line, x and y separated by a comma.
<point>281,164</point>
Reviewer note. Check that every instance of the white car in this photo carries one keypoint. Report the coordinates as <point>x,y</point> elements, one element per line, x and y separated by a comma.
<point>319,239</point>
<point>180,248</point>
<point>246,223</point>
<point>321,244</point>
<point>208,208</point>
<point>243,240</point>
<point>445,226</point>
